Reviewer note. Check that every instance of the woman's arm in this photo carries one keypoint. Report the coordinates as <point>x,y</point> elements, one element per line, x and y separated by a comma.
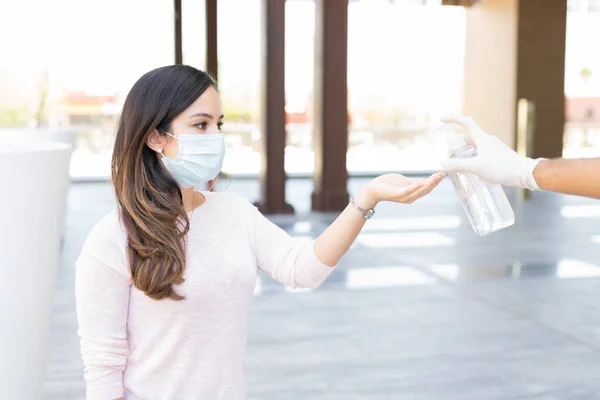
<point>335,241</point>
<point>102,297</point>
<point>306,265</point>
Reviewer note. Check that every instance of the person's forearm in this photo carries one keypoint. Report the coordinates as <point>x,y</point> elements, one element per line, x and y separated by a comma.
<point>579,177</point>
<point>335,241</point>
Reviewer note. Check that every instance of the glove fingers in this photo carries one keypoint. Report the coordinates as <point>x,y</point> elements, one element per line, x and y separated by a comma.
<point>458,164</point>
<point>468,123</point>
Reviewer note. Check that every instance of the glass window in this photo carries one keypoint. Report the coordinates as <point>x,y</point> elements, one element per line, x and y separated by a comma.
<point>582,84</point>
<point>402,74</point>
<point>299,85</point>
<point>405,69</point>
<point>193,25</point>
<point>239,30</point>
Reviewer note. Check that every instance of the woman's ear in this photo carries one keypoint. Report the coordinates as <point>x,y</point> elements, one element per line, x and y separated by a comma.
<point>156,141</point>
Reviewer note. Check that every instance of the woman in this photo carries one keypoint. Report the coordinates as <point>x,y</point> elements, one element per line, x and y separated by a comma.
<point>164,283</point>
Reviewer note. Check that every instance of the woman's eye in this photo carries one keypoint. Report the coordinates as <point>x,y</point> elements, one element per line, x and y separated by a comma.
<point>220,125</point>
<point>201,125</point>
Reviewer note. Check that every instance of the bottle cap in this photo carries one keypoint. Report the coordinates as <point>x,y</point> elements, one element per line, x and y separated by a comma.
<point>455,142</point>
<point>449,137</point>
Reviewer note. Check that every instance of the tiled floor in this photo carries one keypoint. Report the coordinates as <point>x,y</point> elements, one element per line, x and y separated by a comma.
<point>420,308</point>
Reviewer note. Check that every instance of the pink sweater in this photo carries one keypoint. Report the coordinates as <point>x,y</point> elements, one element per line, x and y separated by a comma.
<point>138,348</point>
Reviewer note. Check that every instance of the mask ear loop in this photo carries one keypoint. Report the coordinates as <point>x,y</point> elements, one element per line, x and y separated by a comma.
<point>213,183</point>
<point>160,150</point>
<point>168,134</point>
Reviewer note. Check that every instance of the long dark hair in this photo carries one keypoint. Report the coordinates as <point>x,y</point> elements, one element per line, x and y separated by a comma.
<point>150,200</point>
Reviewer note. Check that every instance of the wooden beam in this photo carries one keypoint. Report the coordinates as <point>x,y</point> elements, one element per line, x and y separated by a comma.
<point>273,138</point>
<point>178,33</point>
<point>330,138</point>
<point>542,28</point>
<point>212,57</point>
<point>464,3</point>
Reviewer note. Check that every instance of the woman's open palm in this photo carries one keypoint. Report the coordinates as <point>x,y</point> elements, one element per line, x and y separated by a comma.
<point>400,189</point>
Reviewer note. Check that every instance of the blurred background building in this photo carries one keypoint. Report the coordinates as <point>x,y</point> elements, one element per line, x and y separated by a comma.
<point>71,63</point>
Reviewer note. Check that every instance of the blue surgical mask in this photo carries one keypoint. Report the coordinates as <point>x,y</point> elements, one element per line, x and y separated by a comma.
<point>200,159</point>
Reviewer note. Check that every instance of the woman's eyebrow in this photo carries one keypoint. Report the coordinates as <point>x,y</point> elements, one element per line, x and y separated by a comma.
<point>205,115</point>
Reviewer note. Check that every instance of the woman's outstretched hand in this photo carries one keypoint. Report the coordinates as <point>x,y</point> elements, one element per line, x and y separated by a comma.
<point>337,239</point>
<point>397,188</point>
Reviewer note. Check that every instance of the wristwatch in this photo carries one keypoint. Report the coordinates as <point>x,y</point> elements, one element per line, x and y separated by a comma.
<point>367,213</point>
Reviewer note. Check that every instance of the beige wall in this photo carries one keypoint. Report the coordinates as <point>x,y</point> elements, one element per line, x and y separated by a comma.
<point>490,67</point>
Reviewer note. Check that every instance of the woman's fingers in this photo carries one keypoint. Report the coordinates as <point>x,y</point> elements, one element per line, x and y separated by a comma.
<point>417,188</point>
<point>428,185</point>
<point>420,193</point>
<point>407,191</point>
<point>400,194</point>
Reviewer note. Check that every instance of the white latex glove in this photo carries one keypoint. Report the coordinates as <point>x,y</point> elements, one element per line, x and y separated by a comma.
<point>495,162</point>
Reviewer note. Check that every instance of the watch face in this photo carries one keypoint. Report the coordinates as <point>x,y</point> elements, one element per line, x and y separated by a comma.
<point>370,213</point>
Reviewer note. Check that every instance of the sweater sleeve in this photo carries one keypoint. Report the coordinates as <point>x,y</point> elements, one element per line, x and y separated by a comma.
<point>102,297</point>
<point>285,259</point>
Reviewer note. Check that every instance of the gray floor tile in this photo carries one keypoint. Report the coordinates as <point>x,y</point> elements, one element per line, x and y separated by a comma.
<point>493,335</point>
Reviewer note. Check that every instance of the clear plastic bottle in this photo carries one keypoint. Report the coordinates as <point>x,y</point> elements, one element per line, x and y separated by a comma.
<point>485,204</point>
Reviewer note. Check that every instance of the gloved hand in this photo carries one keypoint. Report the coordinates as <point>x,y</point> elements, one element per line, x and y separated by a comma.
<point>495,162</point>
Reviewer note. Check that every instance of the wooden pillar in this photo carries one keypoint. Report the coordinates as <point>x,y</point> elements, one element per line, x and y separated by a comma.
<point>541,70</point>
<point>330,137</point>
<point>464,3</point>
<point>273,138</point>
<point>212,56</point>
<point>515,49</point>
<point>212,66</point>
<point>178,33</point>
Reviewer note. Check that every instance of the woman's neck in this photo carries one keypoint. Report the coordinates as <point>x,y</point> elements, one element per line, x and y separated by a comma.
<point>191,199</point>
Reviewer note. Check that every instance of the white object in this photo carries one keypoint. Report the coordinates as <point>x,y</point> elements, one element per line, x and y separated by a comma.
<point>495,162</point>
<point>199,160</point>
<point>67,136</point>
<point>34,178</point>
<point>138,348</point>
<point>485,203</point>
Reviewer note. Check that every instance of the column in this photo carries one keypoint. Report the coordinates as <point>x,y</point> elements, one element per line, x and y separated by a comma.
<point>330,137</point>
<point>273,138</point>
<point>178,33</point>
<point>541,70</point>
<point>212,66</point>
